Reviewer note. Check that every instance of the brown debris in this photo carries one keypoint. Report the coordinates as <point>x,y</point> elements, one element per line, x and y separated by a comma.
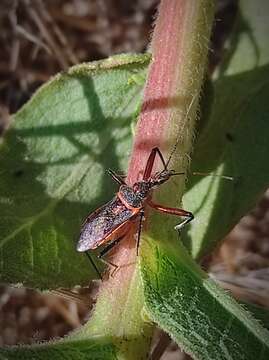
<point>40,38</point>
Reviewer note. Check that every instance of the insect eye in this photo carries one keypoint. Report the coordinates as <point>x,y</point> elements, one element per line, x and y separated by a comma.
<point>164,174</point>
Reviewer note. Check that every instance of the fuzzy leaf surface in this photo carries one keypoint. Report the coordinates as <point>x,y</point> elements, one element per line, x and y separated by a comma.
<point>53,161</point>
<point>200,316</point>
<point>234,137</point>
<point>73,350</point>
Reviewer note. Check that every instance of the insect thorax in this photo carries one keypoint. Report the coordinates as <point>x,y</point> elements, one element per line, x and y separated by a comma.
<point>135,196</point>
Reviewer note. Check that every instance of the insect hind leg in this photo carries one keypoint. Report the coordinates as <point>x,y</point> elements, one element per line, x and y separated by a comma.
<point>106,250</point>
<point>93,265</point>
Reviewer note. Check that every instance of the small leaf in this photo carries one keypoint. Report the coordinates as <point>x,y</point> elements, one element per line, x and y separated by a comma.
<point>77,350</point>
<point>234,141</point>
<point>194,311</point>
<point>53,168</point>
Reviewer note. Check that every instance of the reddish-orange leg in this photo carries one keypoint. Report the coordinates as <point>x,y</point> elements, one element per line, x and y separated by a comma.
<point>173,211</point>
<point>150,162</point>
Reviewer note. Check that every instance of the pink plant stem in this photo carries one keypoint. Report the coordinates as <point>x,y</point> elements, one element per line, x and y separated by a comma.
<point>179,52</point>
<point>179,48</point>
<point>160,92</point>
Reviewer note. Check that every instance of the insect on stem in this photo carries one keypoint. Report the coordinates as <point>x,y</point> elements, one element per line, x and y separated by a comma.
<point>106,225</point>
<point>109,224</point>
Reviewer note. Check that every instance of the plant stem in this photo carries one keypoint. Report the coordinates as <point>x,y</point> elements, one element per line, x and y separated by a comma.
<point>179,48</point>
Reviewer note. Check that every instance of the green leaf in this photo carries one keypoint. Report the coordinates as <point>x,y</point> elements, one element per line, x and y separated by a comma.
<point>53,162</point>
<point>234,140</point>
<point>96,349</point>
<point>197,314</point>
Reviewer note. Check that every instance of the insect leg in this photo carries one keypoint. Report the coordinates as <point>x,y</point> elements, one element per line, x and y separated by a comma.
<point>173,211</point>
<point>139,231</point>
<point>72,296</point>
<point>107,249</point>
<point>150,162</point>
<point>116,177</point>
<point>93,264</point>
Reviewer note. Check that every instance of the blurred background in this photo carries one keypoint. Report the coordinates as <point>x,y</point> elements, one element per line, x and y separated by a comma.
<point>40,38</point>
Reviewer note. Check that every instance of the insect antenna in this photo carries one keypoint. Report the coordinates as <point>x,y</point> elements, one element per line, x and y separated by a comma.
<point>178,173</point>
<point>231,178</point>
<point>177,138</point>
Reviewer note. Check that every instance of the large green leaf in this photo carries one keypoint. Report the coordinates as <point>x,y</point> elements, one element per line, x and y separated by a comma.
<point>234,140</point>
<point>53,163</point>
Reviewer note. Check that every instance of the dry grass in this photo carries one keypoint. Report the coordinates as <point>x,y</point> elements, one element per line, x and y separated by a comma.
<point>39,39</point>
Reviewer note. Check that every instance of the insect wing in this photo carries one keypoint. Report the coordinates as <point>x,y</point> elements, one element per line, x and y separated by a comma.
<point>102,223</point>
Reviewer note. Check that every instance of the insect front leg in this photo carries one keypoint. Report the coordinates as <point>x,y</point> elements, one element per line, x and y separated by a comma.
<point>150,162</point>
<point>173,211</point>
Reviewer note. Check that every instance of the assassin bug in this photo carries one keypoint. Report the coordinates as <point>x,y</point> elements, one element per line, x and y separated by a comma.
<point>105,224</point>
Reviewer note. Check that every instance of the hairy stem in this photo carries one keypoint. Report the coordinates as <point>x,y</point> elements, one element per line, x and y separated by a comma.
<point>179,49</point>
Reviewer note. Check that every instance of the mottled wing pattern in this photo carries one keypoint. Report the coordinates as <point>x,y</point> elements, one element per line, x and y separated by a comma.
<point>100,224</point>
